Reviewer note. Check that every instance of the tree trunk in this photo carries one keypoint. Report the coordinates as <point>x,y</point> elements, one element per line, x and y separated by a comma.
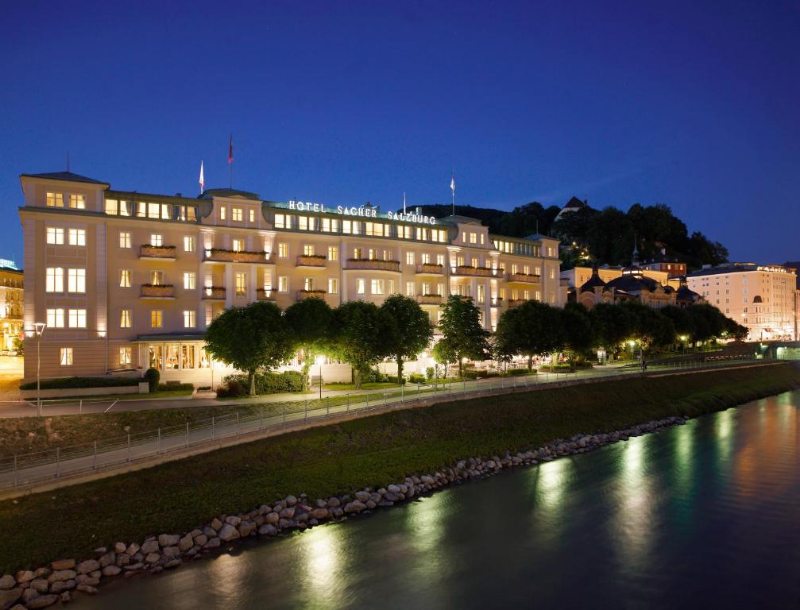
<point>306,369</point>
<point>460,368</point>
<point>357,377</point>
<point>251,378</point>
<point>400,370</point>
<point>530,362</point>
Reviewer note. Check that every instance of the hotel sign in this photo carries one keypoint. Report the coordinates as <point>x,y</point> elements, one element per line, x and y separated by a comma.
<point>362,211</point>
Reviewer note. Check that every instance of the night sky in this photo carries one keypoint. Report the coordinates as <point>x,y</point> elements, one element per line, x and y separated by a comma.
<point>696,104</point>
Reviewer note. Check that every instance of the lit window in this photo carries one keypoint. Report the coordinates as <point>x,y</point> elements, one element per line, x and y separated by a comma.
<point>124,239</point>
<point>357,253</point>
<point>112,207</point>
<point>236,214</point>
<point>409,258</point>
<point>410,289</point>
<point>156,239</point>
<point>77,237</point>
<point>302,223</point>
<point>377,286</point>
<point>241,283</point>
<point>333,285</point>
<point>473,238</point>
<point>189,318</point>
<point>76,280</point>
<point>77,202</point>
<point>157,278</point>
<point>55,200</point>
<point>425,258</point>
<point>55,318</point>
<point>308,249</point>
<point>333,253</point>
<point>283,250</point>
<point>280,221</point>
<point>283,284</point>
<point>65,356</point>
<point>308,284</point>
<point>54,279</point>
<point>360,286</point>
<point>125,356</point>
<point>125,318</point>
<point>440,259</point>
<point>188,243</point>
<point>77,318</point>
<point>189,280</point>
<point>153,210</point>
<point>222,212</point>
<point>55,235</point>
<point>514,268</point>
<point>347,226</point>
<point>238,245</point>
<point>156,318</point>
<point>124,278</point>
<point>252,214</point>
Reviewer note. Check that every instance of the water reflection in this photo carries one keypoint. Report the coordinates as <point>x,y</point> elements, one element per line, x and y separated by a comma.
<point>321,559</point>
<point>426,524</point>
<point>548,484</point>
<point>634,518</point>
<point>725,424</point>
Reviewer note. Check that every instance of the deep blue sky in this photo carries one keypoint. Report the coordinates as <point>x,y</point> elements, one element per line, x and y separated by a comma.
<point>693,104</point>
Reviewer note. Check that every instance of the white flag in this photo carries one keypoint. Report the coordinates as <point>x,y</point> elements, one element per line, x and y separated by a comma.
<point>202,179</point>
<point>453,184</point>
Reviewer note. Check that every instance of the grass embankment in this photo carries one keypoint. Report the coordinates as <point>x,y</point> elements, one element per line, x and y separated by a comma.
<point>376,450</point>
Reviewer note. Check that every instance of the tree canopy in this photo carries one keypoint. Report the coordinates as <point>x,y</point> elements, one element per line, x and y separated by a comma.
<point>358,340</point>
<point>311,322</point>
<point>463,336</point>
<point>407,329</point>
<point>530,329</point>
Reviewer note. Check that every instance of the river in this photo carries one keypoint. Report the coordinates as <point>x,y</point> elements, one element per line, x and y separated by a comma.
<point>705,515</point>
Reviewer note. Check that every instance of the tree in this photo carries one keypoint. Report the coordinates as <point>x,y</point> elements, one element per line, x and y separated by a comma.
<point>358,339</point>
<point>462,332</point>
<point>250,338</point>
<point>531,329</point>
<point>310,321</point>
<point>611,325</point>
<point>650,328</point>
<point>408,329</point>
<point>680,320</point>
<point>577,329</point>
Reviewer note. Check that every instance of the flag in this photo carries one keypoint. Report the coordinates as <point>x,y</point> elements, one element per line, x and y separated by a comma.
<point>230,150</point>
<point>202,179</point>
<point>453,184</point>
<point>404,203</point>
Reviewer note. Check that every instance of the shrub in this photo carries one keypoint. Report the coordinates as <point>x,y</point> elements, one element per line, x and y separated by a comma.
<point>430,372</point>
<point>520,372</point>
<point>81,382</point>
<point>266,383</point>
<point>175,385</point>
<point>418,378</point>
<point>470,374</point>
<point>152,376</point>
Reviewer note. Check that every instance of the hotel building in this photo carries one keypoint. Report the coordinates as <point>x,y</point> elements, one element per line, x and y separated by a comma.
<point>125,281</point>
<point>10,305</point>
<point>761,297</point>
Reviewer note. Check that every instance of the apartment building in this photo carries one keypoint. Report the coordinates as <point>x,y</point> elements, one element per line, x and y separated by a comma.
<point>761,297</point>
<point>10,305</point>
<point>124,280</point>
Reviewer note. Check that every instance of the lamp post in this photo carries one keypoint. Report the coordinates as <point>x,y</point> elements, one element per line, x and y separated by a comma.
<point>38,328</point>
<point>320,360</point>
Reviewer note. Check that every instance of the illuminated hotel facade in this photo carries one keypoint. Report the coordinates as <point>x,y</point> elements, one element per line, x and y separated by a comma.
<point>125,281</point>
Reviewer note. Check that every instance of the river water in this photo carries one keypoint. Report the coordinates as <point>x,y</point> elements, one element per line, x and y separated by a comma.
<point>705,515</point>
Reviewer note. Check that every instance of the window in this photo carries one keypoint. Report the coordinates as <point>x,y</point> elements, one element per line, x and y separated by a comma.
<point>308,284</point>
<point>157,278</point>
<point>77,318</point>
<point>283,250</point>
<point>124,239</point>
<point>514,268</point>
<point>330,225</point>
<point>55,318</point>
<point>473,238</point>
<point>357,253</point>
<point>77,237</point>
<point>125,356</point>
<point>360,286</point>
<point>481,293</point>
<point>409,258</point>
<point>377,286</point>
<point>305,223</point>
<point>156,318</point>
<point>76,280</point>
<point>55,200</point>
<point>237,245</point>
<point>404,232</point>
<point>55,235</point>
<point>252,215</point>
<point>440,259</point>
<point>65,356</point>
<point>280,221</point>
<point>189,318</point>
<point>188,243</point>
<point>236,214</point>
<point>240,283</point>
<point>283,284</point>
<point>410,290</point>
<point>125,318</point>
<point>77,201</point>
<point>223,212</point>
<point>124,278</point>
<point>156,239</point>
<point>54,279</point>
<point>333,285</point>
<point>189,280</point>
<point>112,207</point>
<point>333,253</point>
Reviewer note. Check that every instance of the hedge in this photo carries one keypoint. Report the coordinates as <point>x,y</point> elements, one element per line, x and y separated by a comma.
<point>81,382</point>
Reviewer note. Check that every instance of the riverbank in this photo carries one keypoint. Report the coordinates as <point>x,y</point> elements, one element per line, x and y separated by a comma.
<point>327,462</point>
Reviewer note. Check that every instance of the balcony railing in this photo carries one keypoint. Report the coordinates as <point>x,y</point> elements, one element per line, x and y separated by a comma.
<point>217,255</point>
<point>213,292</point>
<point>476,271</point>
<point>162,253</point>
<point>429,299</point>
<point>311,294</point>
<point>311,260</point>
<point>526,278</point>
<point>374,264</point>
<point>496,302</point>
<point>157,291</point>
<point>265,295</point>
<point>516,302</point>
<point>430,269</point>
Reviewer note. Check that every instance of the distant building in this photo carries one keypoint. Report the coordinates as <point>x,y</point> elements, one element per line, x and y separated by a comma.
<point>674,267</point>
<point>11,293</point>
<point>573,205</point>
<point>761,297</point>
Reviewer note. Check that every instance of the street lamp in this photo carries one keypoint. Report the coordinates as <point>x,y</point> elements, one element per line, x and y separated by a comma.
<point>320,360</point>
<point>38,328</point>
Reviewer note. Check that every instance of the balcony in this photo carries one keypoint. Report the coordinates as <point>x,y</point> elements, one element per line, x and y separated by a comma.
<point>217,255</point>
<point>265,295</point>
<point>373,264</point>
<point>476,271</point>
<point>524,278</point>
<point>496,302</point>
<point>213,292</point>
<point>312,260</point>
<point>429,299</point>
<point>157,291</point>
<point>157,253</point>
<point>516,302</point>
<point>429,269</point>
<point>311,294</point>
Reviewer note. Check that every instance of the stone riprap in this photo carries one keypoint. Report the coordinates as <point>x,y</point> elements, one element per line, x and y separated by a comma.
<point>58,581</point>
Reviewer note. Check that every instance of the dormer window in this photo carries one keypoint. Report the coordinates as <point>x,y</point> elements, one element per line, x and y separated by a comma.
<point>236,214</point>
<point>55,200</point>
<point>252,215</point>
<point>223,213</point>
<point>77,202</point>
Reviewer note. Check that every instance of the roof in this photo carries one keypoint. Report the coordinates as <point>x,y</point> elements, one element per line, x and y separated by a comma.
<point>574,204</point>
<point>65,176</point>
<point>208,193</point>
<point>456,219</point>
<point>732,268</point>
<point>594,281</point>
<point>632,283</point>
